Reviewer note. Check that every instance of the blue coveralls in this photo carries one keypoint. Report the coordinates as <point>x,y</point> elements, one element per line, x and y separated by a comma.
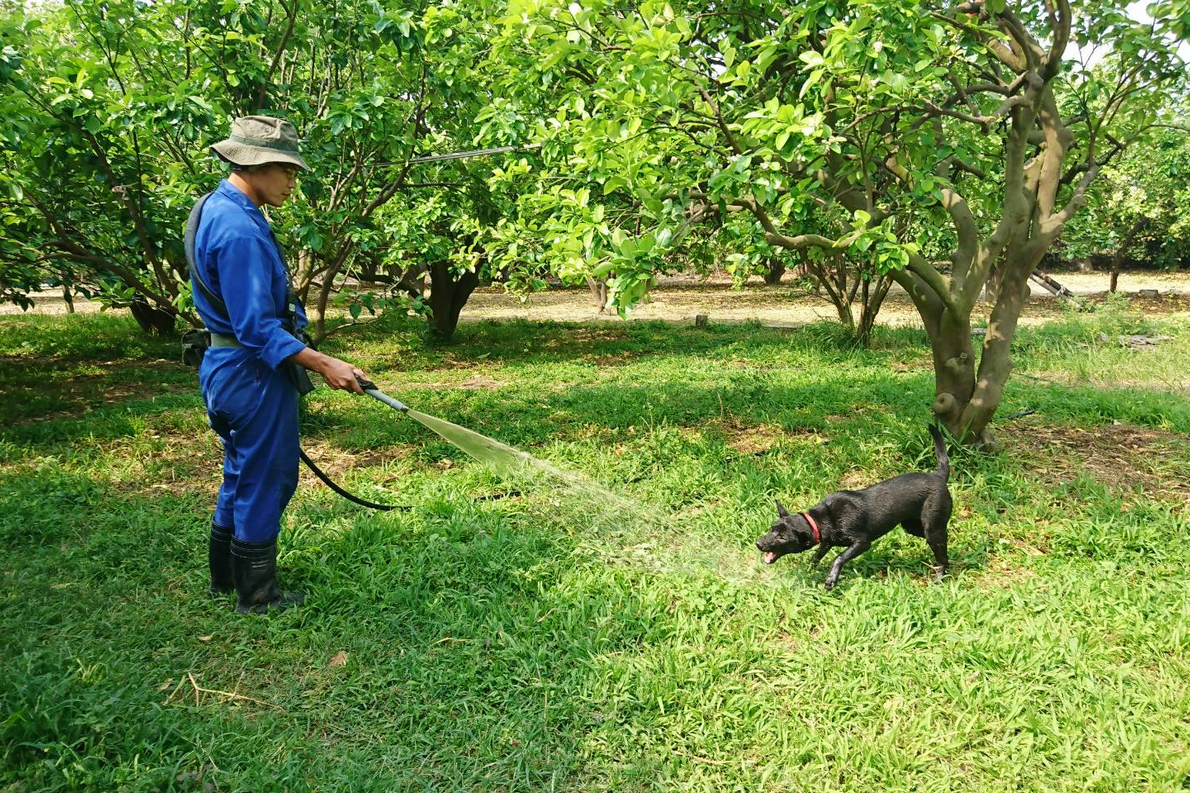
<point>251,404</point>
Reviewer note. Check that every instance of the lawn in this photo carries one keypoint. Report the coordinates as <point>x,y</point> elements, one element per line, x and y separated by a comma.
<point>615,631</point>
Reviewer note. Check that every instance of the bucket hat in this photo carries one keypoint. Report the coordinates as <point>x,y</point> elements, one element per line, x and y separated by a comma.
<point>259,140</point>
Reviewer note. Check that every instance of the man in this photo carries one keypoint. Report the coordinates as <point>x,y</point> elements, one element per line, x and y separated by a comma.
<point>252,402</point>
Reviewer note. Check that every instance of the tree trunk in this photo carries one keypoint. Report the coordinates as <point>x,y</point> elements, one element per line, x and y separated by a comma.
<point>995,362</point>
<point>843,284</point>
<point>413,280</point>
<point>873,299</point>
<point>1122,252</point>
<point>954,367</point>
<point>776,269</point>
<point>152,319</point>
<point>992,286</point>
<point>448,294</point>
<point>598,293</point>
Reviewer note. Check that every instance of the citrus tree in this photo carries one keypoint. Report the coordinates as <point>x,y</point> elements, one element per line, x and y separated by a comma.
<point>110,109</point>
<point>1140,209</point>
<point>966,124</point>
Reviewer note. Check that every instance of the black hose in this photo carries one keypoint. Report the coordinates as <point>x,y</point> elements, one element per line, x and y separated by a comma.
<point>326,480</point>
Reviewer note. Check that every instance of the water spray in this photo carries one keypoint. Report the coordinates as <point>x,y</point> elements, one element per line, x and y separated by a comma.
<point>508,461</point>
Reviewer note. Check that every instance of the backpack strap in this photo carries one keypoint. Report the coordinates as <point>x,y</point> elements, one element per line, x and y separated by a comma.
<point>191,233</point>
<point>290,320</point>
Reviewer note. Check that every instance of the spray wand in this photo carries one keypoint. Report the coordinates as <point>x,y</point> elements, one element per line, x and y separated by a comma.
<point>371,390</point>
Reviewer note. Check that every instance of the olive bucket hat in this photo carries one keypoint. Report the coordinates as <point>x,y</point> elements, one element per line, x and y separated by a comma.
<point>259,140</point>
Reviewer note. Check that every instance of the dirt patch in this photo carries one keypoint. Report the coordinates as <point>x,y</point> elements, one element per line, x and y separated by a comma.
<point>787,642</point>
<point>477,382</point>
<point>755,440</point>
<point>600,335</point>
<point>680,298</point>
<point>1121,456</point>
<point>448,363</point>
<point>1004,569</point>
<point>613,360</point>
<point>335,462</point>
<point>856,480</point>
<point>480,382</point>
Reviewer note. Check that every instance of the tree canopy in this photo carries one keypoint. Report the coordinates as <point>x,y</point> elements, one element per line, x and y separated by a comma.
<point>944,147</point>
<point>830,122</point>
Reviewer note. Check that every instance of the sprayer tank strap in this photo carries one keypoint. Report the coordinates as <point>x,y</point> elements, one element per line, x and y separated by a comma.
<point>191,234</point>
<point>224,340</point>
<point>290,320</point>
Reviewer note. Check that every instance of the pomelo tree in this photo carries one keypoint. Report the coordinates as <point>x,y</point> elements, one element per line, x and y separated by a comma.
<point>952,142</point>
<point>110,108</point>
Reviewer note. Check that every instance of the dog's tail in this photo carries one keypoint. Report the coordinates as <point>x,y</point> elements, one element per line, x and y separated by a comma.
<point>940,450</point>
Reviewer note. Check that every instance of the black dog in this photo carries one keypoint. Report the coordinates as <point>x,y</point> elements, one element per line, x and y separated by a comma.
<point>853,519</point>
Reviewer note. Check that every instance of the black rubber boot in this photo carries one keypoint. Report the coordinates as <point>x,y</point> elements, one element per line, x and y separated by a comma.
<point>254,567</point>
<point>219,558</point>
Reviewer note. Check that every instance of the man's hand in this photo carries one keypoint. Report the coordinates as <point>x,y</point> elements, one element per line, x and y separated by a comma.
<point>337,373</point>
<point>341,375</point>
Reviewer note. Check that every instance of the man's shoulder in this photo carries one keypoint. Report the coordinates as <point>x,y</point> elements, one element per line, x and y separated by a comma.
<point>223,220</point>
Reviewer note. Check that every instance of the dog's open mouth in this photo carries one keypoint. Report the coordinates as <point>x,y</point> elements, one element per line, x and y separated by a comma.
<point>770,556</point>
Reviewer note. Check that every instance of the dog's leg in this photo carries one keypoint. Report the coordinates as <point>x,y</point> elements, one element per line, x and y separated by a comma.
<point>935,517</point>
<point>848,554</point>
<point>821,552</point>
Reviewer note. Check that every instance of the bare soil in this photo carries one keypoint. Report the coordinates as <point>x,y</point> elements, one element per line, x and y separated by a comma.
<point>680,299</point>
<point>1120,456</point>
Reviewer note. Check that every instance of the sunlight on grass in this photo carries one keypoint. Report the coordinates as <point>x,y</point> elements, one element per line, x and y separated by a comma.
<point>601,622</point>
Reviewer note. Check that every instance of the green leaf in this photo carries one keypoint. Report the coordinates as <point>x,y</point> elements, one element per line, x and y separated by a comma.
<point>613,183</point>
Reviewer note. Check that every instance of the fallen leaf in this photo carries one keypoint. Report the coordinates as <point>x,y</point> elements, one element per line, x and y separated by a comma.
<point>205,638</point>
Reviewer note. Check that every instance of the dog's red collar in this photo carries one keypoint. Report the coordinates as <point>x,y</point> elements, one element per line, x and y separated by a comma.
<point>813,527</point>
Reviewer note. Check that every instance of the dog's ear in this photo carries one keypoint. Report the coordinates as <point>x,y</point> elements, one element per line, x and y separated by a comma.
<point>781,510</point>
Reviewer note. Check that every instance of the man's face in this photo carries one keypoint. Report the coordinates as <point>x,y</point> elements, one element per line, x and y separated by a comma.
<point>274,183</point>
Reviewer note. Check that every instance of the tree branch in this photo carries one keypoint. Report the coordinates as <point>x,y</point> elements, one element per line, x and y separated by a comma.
<point>264,84</point>
<point>731,140</point>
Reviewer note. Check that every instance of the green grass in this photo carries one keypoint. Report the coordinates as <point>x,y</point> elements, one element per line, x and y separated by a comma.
<point>490,639</point>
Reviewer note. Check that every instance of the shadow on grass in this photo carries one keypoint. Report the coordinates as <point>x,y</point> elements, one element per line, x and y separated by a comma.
<point>761,367</point>
<point>38,391</point>
<point>465,634</point>
<point>463,645</point>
